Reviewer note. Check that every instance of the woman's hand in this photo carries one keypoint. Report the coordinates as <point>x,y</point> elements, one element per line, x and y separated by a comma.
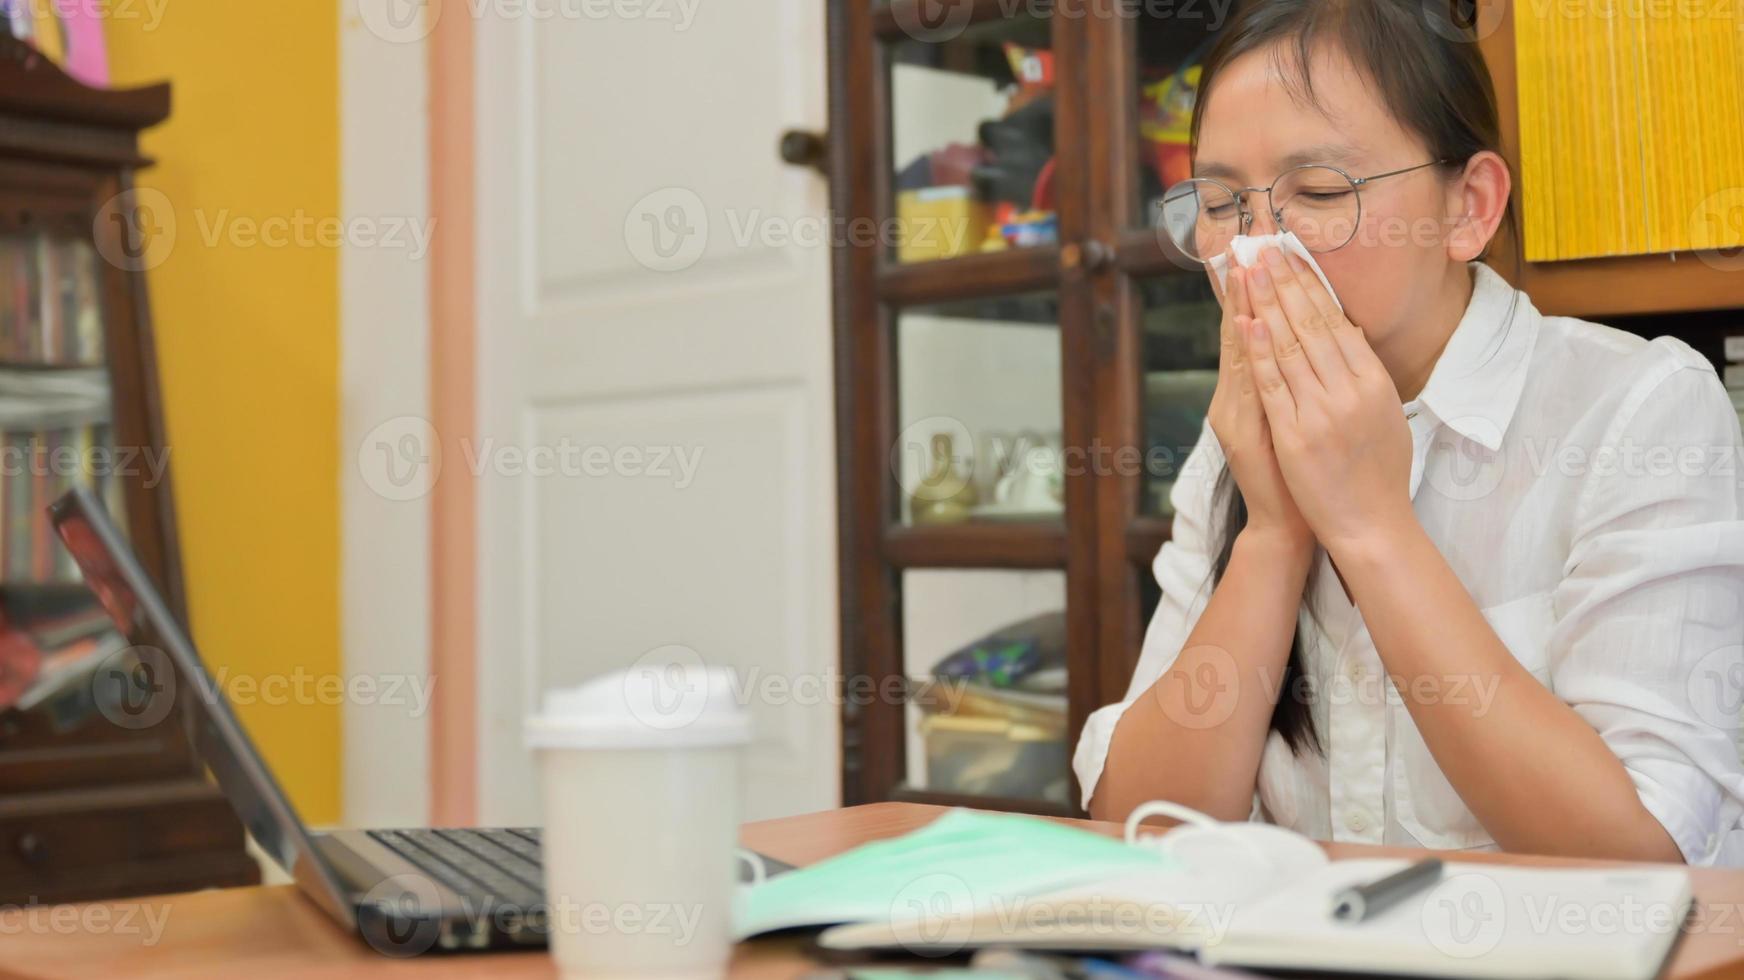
<point>1239,421</point>
<point>1337,425</point>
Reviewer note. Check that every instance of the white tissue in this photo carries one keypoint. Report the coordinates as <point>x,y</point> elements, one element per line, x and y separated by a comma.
<point>1247,252</point>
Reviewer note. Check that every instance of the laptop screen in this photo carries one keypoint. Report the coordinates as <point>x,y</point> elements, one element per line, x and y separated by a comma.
<point>160,668</point>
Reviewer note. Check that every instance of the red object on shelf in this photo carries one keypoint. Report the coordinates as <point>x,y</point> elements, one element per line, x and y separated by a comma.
<point>19,663</point>
<point>1043,197</point>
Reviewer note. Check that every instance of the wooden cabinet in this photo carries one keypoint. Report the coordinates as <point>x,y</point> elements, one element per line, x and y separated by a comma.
<point>961,348</point>
<point>94,802</point>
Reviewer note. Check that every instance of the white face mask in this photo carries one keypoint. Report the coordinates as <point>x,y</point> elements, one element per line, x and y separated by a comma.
<point>1257,853</point>
<point>1247,253</point>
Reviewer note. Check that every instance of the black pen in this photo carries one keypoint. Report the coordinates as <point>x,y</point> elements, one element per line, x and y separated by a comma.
<point>1358,902</point>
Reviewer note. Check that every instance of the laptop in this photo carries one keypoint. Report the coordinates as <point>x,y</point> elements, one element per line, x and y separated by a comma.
<point>406,891</point>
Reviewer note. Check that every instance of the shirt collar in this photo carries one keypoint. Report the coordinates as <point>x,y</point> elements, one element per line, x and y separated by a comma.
<point>1476,383</point>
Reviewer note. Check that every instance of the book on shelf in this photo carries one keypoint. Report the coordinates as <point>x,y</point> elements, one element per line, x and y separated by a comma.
<point>55,431</point>
<point>51,312</point>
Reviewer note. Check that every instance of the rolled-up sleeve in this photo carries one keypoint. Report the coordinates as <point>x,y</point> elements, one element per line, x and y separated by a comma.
<point>1183,570</point>
<point>1648,645</point>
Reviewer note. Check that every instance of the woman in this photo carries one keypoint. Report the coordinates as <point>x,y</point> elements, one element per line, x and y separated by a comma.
<point>1539,518</point>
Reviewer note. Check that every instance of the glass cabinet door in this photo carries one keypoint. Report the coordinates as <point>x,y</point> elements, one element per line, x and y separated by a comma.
<point>55,415</point>
<point>978,412</point>
<point>962,356</point>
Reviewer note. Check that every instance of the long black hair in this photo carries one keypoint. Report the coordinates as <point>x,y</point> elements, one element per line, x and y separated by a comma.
<point>1422,58</point>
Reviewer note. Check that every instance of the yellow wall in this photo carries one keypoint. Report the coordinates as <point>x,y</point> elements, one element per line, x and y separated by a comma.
<point>248,340</point>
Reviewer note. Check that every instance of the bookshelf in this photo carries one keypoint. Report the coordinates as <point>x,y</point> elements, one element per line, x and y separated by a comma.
<point>94,802</point>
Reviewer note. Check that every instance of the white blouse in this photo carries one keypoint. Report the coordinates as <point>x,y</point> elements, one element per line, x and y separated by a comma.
<point>1584,484</point>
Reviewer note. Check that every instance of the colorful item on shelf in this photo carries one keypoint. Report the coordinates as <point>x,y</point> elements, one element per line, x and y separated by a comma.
<point>1004,657</point>
<point>50,302</point>
<point>47,34</point>
<point>19,663</point>
<point>1032,228</point>
<point>1032,67</point>
<point>1043,197</point>
<point>953,163</point>
<point>17,18</point>
<point>1019,146</point>
<point>946,493</point>
<point>939,223</point>
<point>1165,124</point>
<point>87,55</point>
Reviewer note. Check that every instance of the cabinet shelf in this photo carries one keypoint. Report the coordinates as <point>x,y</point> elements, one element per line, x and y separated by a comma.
<point>1041,544</point>
<point>1017,270</point>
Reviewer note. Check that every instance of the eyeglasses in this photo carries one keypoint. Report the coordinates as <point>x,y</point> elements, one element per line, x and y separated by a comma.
<point>1319,203</point>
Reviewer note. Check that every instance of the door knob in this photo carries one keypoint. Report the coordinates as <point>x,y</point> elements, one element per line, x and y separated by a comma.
<point>803,148</point>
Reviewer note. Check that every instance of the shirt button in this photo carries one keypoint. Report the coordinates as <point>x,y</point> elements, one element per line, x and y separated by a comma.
<point>1355,821</point>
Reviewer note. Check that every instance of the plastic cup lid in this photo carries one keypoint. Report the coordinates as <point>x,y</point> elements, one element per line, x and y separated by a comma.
<point>649,705</point>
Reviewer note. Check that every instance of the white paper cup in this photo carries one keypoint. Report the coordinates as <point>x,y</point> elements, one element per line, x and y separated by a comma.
<point>639,772</point>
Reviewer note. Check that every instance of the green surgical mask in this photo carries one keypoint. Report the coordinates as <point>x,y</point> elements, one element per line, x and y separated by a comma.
<point>965,862</point>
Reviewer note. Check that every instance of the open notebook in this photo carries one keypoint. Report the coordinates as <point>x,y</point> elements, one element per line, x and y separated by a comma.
<point>1079,892</point>
<point>1480,920</point>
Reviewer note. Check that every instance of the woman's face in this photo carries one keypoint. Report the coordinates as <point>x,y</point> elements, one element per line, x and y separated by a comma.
<point>1253,129</point>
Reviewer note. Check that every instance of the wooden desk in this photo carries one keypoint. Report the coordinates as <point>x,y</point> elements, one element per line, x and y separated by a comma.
<point>270,932</point>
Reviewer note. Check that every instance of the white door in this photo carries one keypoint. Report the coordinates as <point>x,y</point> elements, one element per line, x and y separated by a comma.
<point>656,424</point>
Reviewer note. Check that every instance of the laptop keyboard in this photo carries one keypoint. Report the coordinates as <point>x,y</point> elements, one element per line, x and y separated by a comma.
<point>500,866</point>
